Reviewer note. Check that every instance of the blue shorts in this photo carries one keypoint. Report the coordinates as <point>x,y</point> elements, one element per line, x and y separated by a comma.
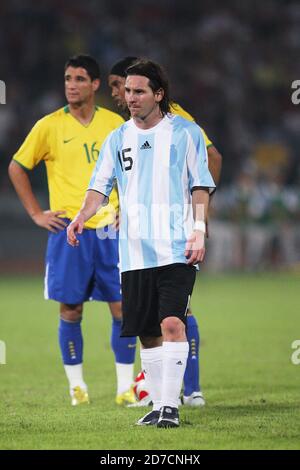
<point>87,272</point>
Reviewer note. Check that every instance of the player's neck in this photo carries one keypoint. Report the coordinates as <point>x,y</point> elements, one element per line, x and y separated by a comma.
<point>84,113</point>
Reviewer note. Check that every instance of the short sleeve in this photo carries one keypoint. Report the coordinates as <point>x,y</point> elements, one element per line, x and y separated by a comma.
<point>35,147</point>
<point>197,164</point>
<point>104,173</point>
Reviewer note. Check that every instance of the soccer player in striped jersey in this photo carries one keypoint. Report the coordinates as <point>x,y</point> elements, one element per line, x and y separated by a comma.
<point>68,141</point>
<point>159,161</point>
<point>192,394</point>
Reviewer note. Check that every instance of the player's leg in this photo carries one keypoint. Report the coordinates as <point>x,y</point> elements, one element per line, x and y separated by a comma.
<point>151,360</point>
<point>71,346</point>
<point>140,317</point>
<point>67,280</point>
<point>124,351</point>
<point>108,289</point>
<point>175,285</point>
<point>192,395</point>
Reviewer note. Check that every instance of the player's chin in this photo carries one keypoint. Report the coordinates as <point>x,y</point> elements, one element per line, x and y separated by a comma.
<point>74,100</point>
<point>134,111</point>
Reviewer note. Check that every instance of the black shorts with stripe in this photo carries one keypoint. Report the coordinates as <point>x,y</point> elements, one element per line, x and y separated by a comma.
<point>150,295</point>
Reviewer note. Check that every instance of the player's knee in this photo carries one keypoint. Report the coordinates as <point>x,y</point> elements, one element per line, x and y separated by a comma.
<point>172,327</point>
<point>70,312</point>
<point>116,310</point>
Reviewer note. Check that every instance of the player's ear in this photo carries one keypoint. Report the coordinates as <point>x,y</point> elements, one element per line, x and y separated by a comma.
<point>159,94</point>
<point>96,84</point>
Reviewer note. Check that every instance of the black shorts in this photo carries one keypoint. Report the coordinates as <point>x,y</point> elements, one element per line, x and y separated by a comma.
<point>150,295</point>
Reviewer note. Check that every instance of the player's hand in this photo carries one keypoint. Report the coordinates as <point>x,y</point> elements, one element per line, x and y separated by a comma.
<point>194,248</point>
<point>50,220</point>
<point>75,227</point>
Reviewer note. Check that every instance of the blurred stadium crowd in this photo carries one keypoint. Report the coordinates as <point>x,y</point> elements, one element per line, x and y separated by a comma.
<point>231,64</point>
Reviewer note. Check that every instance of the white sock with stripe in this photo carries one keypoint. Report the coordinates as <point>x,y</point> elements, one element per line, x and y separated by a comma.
<point>152,366</point>
<point>174,357</point>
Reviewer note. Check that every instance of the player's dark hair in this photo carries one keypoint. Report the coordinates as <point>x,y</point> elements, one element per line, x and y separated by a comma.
<point>86,62</point>
<point>157,79</point>
<point>119,68</point>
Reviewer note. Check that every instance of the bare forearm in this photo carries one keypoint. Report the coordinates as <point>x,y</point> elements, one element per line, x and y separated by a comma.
<point>92,202</point>
<point>22,185</point>
<point>214,163</point>
<point>195,245</point>
<point>200,201</point>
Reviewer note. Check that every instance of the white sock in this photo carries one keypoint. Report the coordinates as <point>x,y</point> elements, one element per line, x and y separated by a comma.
<point>75,377</point>
<point>151,360</point>
<point>124,377</point>
<point>174,363</point>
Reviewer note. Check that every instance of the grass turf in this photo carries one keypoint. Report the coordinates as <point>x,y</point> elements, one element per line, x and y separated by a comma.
<point>247,322</point>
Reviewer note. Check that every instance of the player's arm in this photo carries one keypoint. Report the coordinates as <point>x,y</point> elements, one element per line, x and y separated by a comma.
<point>202,184</point>
<point>21,182</point>
<point>214,163</point>
<point>214,158</point>
<point>91,204</point>
<point>195,246</point>
<point>215,167</point>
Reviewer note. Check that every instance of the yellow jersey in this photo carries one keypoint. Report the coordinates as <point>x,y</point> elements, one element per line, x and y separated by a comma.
<point>177,109</point>
<point>70,151</point>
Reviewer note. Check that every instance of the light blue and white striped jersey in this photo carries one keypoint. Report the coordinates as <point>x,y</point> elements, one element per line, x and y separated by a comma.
<point>155,170</point>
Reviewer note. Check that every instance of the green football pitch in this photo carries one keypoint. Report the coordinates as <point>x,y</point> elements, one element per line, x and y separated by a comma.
<point>248,324</point>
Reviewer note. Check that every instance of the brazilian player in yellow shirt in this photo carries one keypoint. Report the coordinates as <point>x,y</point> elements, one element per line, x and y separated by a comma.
<point>68,141</point>
<point>192,394</point>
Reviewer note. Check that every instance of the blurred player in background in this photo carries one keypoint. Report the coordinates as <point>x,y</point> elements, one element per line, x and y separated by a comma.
<point>192,394</point>
<point>68,141</point>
